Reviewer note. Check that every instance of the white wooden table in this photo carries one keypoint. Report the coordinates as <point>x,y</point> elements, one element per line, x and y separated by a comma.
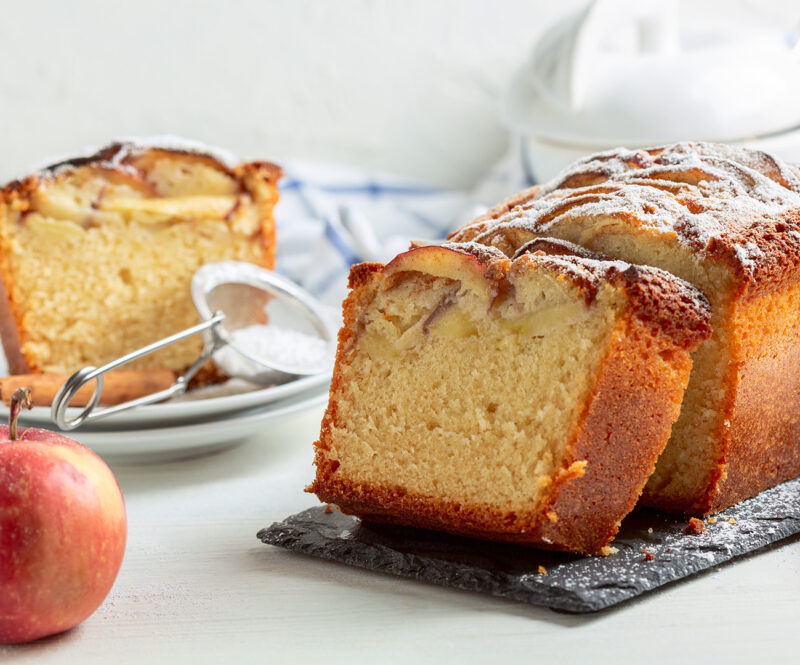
<point>196,586</point>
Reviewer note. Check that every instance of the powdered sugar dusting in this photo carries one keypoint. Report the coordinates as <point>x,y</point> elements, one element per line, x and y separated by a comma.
<point>710,196</point>
<point>748,253</point>
<point>484,253</point>
<point>584,269</point>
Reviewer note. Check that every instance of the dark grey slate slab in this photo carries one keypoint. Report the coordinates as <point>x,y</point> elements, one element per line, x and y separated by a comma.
<point>573,583</point>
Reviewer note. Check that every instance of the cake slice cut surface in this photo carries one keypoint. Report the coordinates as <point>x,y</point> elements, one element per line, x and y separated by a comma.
<point>728,221</point>
<point>97,253</point>
<point>523,399</point>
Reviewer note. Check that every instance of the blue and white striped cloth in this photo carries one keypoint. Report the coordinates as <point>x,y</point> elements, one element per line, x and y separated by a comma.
<point>330,217</point>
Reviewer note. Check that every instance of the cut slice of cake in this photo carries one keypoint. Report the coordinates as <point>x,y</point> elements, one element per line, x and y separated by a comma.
<point>522,399</point>
<point>97,253</point>
<point>728,221</point>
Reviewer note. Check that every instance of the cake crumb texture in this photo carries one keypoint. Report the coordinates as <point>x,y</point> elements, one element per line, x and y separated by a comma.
<point>503,398</point>
<point>728,221</point>
<point>97,253</point>
<point>695,526</point>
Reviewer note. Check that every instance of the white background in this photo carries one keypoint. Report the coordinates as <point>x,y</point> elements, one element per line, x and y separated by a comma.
<point>406,86</point>
<point>409,87</point>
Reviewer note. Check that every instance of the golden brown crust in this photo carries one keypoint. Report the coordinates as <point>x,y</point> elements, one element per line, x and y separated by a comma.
<point>360,293</point>
<point>764,424</point>
<point>9,335</point>
<point>622,430</point>
<point>625,427</point>
<point>249,173</point>
<point>10,332</point>
<point>667,304</point>
<point>359,275</point>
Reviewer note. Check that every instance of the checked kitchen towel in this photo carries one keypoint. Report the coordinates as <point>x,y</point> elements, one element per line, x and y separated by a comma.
<point>332,216</point>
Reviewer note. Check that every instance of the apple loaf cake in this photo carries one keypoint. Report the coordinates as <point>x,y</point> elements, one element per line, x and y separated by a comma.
<point>97,253</point>
<point>522,398</point>
<point>728,221</point>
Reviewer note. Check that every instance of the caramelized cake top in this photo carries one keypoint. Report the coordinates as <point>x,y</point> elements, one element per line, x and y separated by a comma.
<point>130,158</point>
<point>727,204</point>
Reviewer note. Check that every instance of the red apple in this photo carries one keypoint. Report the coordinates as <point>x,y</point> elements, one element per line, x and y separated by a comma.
<point>62,532</point>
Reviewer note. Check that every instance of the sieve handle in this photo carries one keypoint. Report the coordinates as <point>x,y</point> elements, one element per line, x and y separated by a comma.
<point>71,386</point>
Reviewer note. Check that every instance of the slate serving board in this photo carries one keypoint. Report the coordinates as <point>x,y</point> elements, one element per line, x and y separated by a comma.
<point>572,583</point>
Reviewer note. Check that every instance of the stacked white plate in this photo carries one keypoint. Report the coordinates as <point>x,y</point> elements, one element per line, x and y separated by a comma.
<point>202,421</point>
<point>640,73</point>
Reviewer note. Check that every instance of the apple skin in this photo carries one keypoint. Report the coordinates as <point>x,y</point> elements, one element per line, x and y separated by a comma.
<point>62,534</point>
<point>439,261</point>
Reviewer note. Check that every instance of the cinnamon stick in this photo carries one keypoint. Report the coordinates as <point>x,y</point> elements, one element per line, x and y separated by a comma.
<point>118,386</point>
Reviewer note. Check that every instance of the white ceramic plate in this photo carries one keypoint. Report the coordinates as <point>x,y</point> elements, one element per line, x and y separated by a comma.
<point>182,411</point>
<point>165,443</point>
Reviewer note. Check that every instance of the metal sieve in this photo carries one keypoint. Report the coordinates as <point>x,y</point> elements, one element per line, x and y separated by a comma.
<point>230,296</point>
